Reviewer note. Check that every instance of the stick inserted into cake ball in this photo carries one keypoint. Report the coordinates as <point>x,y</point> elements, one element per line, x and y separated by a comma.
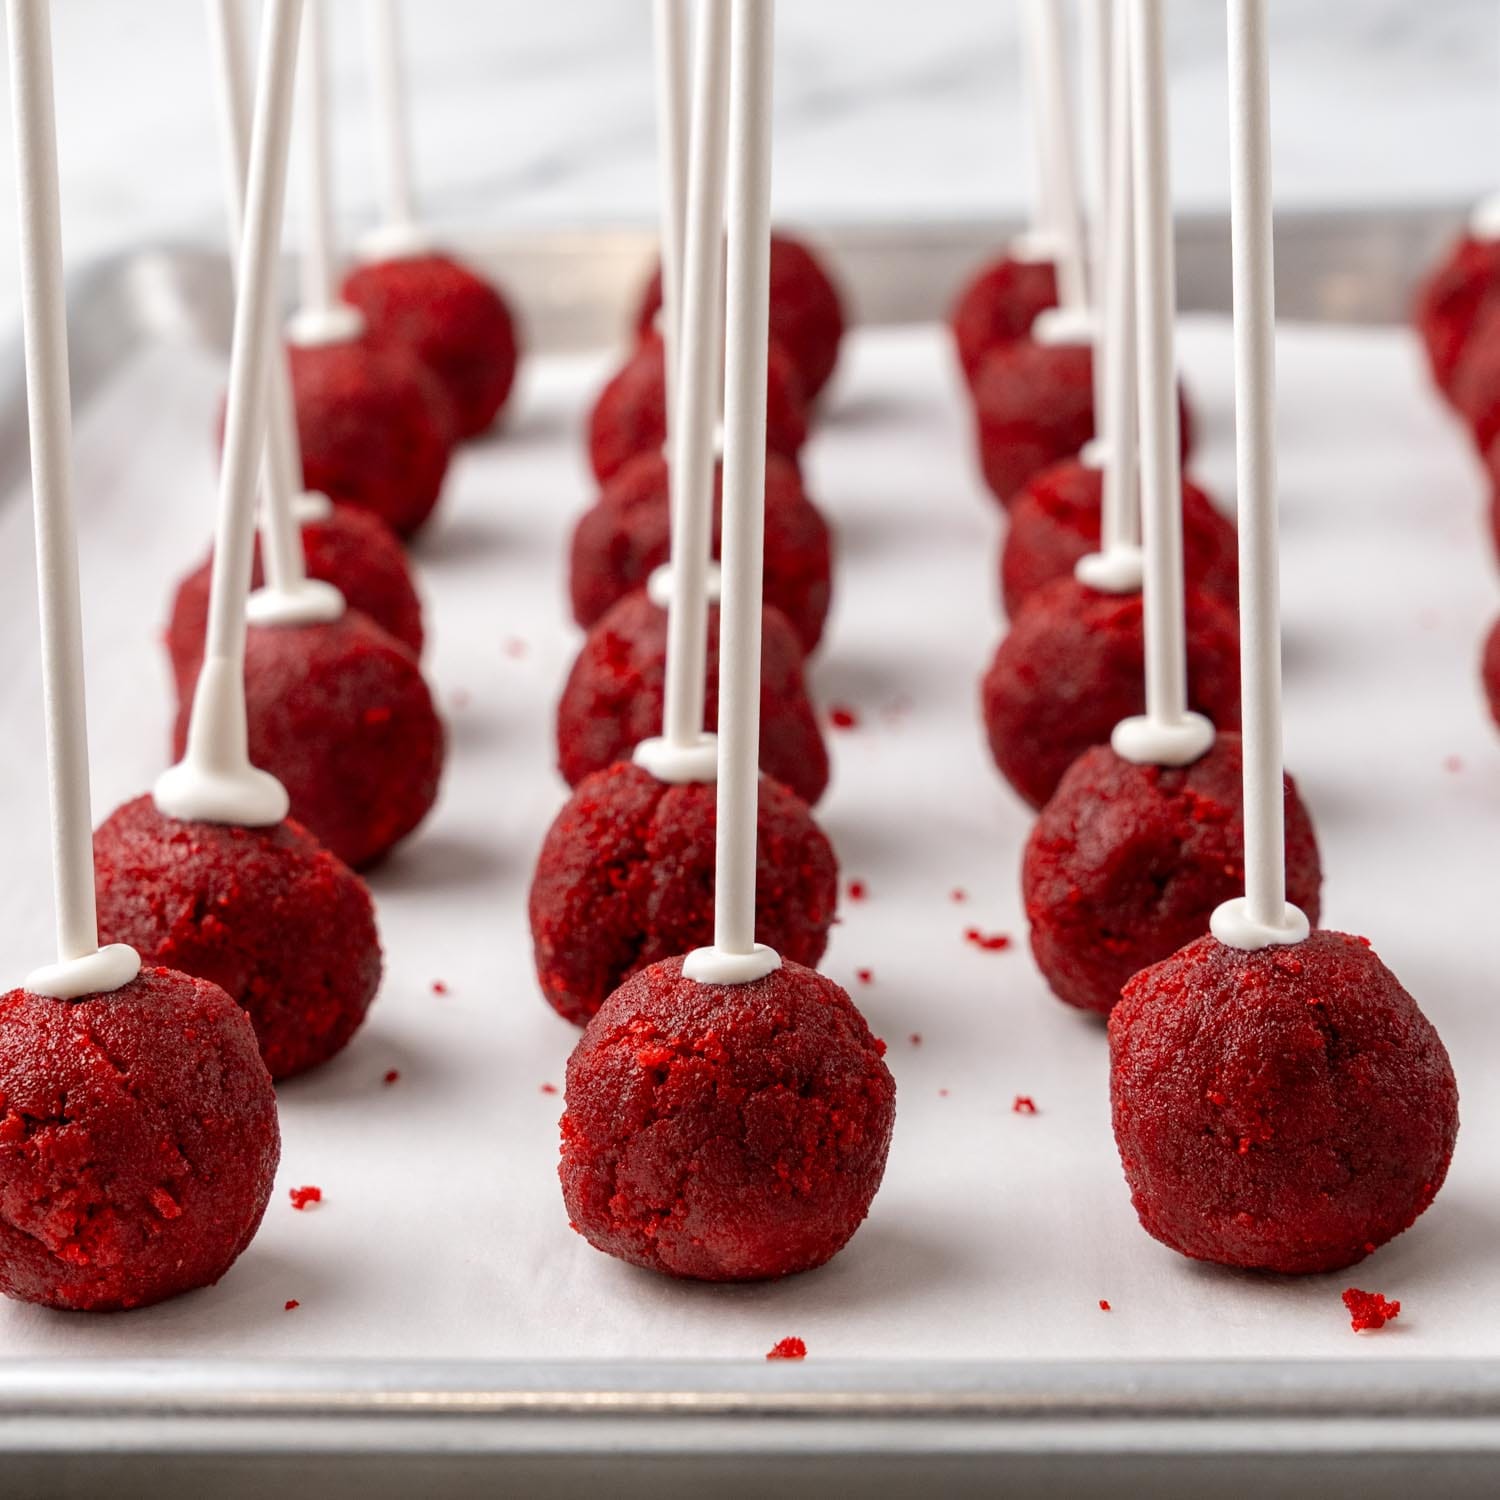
<point>671,1158</point>
<point>151,1137</point>
<point>410,290</point>
<point>1279,1101</point>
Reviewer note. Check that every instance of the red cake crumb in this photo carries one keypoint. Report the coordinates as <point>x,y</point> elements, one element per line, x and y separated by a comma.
<point>270,916</point>
<point>958,893</point>
<point>340,714</point>
<point>303,1197</point>
<point>290,1303</point>
<point>549,1088</point>
<point>1024,1105</point>
<point>630,416</point>
<point>138,1142</point>
<point>942,1093</point>
<point>857,890</point>
<point>375,426</point>
<point>626,535</point>
<point>1127,862</point>
<point>842,717</point>
<point>614,696</point>
<point>1453,763</point>
<point>787,1348</point>
<point>998,305</point>
<point>1349,1106</point>
<point>351,549</point>
<point>1103,1305</point>
<point>392,1075</point>
<point>865,976</point>
<point>915,1039</point>
<point>439,987</point>
<point>1072,666</point>
<point>625,878</point>
<point>453,320</point>
<point>1369,1310</point>
<point>725,1132</point>
<point>995,942</point>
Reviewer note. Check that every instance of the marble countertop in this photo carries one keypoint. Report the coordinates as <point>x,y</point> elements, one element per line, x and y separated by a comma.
<point>533,115</point>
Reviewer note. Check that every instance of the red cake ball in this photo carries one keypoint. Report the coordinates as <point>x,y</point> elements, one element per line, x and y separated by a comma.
<point>1449,303</point>
<point>614,695</point>
<point>1287,1109</point>
<point>1475,388</point>
<point>1055,520</point>
<point>725,1132</point>
<point>626,535</point>
<point>1127,862</point>
<point>1491,670</point>
<point>807,314</point>
<point>375,427</point>
<point>998,305</point>
<point>630,416</point>
<point>625,879</point>
<point>138,1142</point>
<point>452,319</point>
<point>270,916</point>
<point>340,715</point>
<point>358,554</point>
<point>1072,667</point>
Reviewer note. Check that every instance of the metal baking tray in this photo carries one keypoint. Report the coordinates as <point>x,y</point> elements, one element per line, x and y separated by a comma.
<point>1077,1426</point>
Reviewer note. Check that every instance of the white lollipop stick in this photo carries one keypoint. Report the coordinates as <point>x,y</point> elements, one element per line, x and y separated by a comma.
<point>1117,567</point>
<point>1263,916</point>
<point>82,967</point>
<point>322,317</point>
<point>289,597</point>
<point>1168,733</point>
<point>684,752</point>
<point>400,233</point>
<point>670,33</point>
<point>215,781</point>
<point>1099,80</point>
<point>735,957</point>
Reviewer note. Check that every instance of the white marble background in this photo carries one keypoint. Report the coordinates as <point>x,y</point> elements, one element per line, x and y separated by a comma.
<point>540,114</point>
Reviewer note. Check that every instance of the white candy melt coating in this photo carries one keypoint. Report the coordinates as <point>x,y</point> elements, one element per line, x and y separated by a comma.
<point>1033,247</point>
<point>215,782</point>
<point>679,765</point>
<point>659,584</point>
<point>714,966</point>
<point>317,327</point>
<point>1145,741</point>
<point>1065,325</point>
<point>96,973</point>
<point>395,242</point>
<point>1116,570</point>
<point>1094,454</point>
<point>310,602</point>
<point>1233,925</point>
<point>1484,223</point>
<point>311,505</point>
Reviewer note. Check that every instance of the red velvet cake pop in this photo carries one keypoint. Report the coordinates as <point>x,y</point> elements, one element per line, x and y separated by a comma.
<point>1055,520</point>
<point>1280,1109</point>
<point>725,1132</point>
<point>807,315</point>
<point>374,426</point>
<point>1127,862</point>
<point>349,548</point>
<point>625,536</point>
<point>613,697</point>
<point>1475,386</point>
<point>138,1142</point>
<point>630,416</point>
<point>1450,300</point>
<point>1071,668</point>
<point>267,914</point>
<point>999,305</point>
<point>1491,670</point>
<point>626,878</point>
<point>340,715</point>
<point>452,319</point>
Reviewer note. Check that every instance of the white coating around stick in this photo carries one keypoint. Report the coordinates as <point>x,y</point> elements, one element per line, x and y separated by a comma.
<point>692,421</point>
<point>289,597</point>
<point>1167,733</point>
<point>322,318</point>
<point>82,967</point>
<point>400,233</point>
<point>1057,152</point>
<point>215,782</point>
<point>735,957</point>
<point>1264,916</point>
<point>1118,567</point>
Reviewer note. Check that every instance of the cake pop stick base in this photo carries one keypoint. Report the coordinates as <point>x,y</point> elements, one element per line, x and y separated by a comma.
<point>1235,927</point>
<point>1034,247</point>
<point>315,327</point>
<point>395,242</point>
<point>1065,325</point>
<point>1116,570</point>
<point>311,505</point>
<point>679,764</point>
<point>1484,222</point>
<point>659,584</point>
<point>110,968</point>
<point>312,601</point>
<point>1148,741</point>
<point>1094,453</point>
<point>715,966</point>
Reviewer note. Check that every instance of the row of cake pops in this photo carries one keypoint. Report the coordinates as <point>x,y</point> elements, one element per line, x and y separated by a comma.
<point>140,1136</point>
<point>1279,1101</point>
<point>728,1113</point>
<point>1457,315</point>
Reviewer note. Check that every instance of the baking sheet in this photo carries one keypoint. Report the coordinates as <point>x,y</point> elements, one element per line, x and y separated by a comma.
<point>996,1234</point>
